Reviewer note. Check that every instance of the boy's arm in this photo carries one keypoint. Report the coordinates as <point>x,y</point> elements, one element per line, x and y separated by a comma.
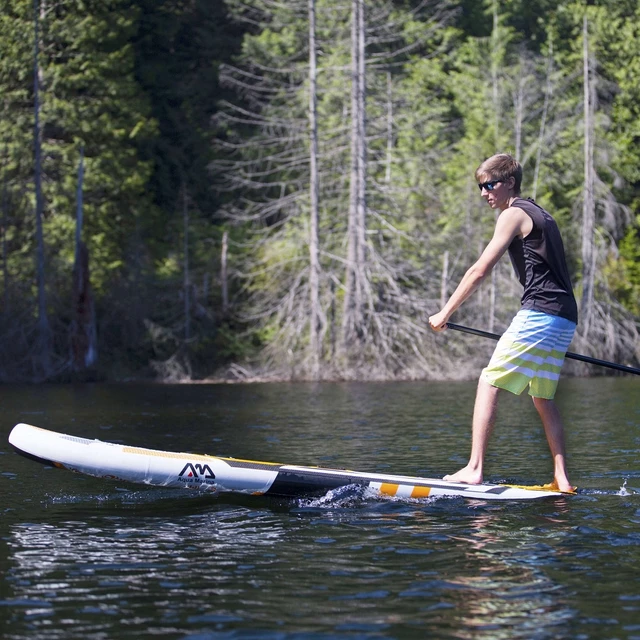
<point>512,222</point>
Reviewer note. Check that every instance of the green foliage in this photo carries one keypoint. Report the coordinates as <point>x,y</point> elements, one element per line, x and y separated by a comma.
<point>144,88</point>
<point>89,98</point>
<point>623,272</point>
<point>96,92</point>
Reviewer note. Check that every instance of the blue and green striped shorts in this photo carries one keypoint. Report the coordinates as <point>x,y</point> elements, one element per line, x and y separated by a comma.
<point>530,352</point>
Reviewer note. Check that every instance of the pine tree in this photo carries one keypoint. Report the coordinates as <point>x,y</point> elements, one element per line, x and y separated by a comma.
<point>87,95</point>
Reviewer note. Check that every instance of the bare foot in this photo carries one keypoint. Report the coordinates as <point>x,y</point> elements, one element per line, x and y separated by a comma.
<point>467,476</point>
<point>564,487</point>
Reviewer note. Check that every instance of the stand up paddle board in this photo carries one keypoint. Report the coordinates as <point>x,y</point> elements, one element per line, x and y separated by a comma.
<point>213,474</point>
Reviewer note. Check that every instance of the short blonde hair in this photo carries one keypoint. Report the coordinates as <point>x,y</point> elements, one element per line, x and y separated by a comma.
<point>501,166</point>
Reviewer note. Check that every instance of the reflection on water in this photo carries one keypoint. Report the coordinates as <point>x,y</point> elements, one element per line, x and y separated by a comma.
<point>83,570</point>
<point>87,559</point>
<point>510,594</point>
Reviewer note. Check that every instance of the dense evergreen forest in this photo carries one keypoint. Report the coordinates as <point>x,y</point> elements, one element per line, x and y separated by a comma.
<point>274,189</point>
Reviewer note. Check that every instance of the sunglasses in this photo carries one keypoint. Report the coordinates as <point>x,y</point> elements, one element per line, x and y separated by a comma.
<point>489,186</point>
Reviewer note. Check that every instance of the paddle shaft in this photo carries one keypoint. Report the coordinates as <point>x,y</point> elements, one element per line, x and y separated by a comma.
<point>573,356</point>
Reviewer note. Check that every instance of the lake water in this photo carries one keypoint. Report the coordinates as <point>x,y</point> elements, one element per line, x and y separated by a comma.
<point>93,559</point>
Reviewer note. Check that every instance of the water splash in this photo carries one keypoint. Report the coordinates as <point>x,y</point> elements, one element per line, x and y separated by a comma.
<point>623,489</point>
<point>348,495</point>
<point>356,495</point>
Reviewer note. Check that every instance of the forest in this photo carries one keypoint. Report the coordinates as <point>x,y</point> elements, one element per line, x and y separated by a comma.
<point>199,190</point>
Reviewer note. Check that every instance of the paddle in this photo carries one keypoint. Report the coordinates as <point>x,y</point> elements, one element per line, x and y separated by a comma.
<point>573,356</point>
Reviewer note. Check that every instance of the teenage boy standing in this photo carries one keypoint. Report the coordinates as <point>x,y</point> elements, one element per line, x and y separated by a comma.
<point>532,350</point>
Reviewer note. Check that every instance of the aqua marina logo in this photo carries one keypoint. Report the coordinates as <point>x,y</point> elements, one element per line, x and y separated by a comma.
<point>197,473</point>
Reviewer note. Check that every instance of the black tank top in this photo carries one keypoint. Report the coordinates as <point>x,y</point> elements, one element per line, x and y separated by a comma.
<point>540,265</point>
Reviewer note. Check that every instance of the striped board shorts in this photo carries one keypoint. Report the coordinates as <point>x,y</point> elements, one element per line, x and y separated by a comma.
<point>530,352</point>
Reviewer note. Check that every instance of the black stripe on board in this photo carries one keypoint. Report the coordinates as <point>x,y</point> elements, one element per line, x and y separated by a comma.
<point>296,483</point>
<point>498,490</point>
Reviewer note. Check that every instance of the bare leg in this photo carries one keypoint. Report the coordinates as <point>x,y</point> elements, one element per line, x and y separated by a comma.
<point>554,431</point>
<point>484,417</point>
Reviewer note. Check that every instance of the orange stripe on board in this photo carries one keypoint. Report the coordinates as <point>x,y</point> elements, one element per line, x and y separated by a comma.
<point>420,492</point>
<point>389,489</point>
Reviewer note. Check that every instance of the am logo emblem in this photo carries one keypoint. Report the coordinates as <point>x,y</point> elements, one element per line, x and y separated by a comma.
<point>194,472</point>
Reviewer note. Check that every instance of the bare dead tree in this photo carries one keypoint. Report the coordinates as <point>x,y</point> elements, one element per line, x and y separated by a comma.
<point>548,94</point>
<point>605,327</point>
<point>525,98</point>
<point>496,60</point>
<point>315,322</point>
<point>444,280</point>
<point>353,319</point>
<point>588,208</point>
<point>273,172</point>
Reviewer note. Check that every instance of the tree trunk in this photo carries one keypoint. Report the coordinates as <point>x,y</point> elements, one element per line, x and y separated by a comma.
<point>497,116</point>
<point>387,173</point>
<point>444,280</point>
<point>588,210</point>
<point>84,342</point>
<point>185,263</point>
<point>79,205</point>
<point>43,350</point>
<point>495,88</point>
<point>5,223</point>
<point>519,109</point>
<point>223,273</point>
<point>315,324</point>
<point>361,120</point>
<point>543,119</point>
<point>354,316</point>
<point>492,298</point>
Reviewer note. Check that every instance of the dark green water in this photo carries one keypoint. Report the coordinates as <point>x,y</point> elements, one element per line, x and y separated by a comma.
<point>90,559</point>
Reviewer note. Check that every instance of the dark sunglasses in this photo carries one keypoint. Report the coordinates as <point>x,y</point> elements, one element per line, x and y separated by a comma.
<point>489,186</point>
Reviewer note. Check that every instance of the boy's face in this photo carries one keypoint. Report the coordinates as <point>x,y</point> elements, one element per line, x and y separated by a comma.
<point>496,192</point>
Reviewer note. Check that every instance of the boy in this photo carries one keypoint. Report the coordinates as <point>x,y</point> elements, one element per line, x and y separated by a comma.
<point>531,352</point>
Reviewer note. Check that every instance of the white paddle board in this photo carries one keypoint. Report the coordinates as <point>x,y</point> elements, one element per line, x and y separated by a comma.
<point>213,474</point>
